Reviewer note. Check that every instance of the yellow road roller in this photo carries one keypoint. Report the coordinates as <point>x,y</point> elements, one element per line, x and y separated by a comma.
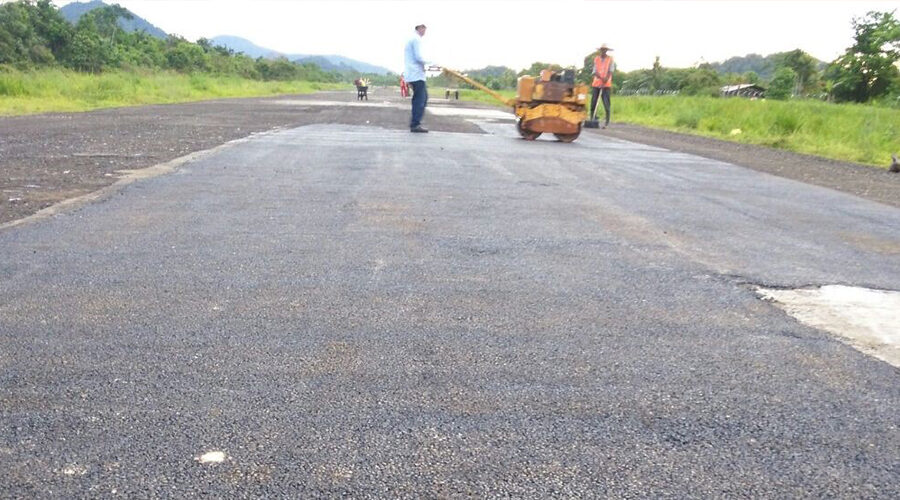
<point>551,103</point>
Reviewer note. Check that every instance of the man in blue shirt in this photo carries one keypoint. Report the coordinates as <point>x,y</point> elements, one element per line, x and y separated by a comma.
<point>415,77</point>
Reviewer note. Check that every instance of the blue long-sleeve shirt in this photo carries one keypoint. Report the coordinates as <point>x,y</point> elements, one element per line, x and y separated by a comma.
<point>414,62</point>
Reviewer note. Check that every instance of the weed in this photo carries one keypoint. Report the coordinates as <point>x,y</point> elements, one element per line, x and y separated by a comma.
<point>11,85</point>
<point>786,123</point>
<point>688,118</point>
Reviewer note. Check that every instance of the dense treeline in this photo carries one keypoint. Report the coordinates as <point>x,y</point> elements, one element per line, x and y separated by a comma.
<point>33,34</point>
<point>866,71</point>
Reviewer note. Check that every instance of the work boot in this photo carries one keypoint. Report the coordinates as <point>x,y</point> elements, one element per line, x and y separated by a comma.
<point>419,129</point>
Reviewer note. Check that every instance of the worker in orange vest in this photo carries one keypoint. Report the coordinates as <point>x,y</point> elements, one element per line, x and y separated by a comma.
<point>604,66</point>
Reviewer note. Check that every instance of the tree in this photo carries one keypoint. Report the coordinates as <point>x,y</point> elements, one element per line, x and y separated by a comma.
<point>95,45</point>
<point>32,33</point>
<point>782,85</point>
<point>761,65</point>
<point>51,27</point>
<point>184,56</point>
<point>656,75</point>
<point>140,50</point>
<point>803,65</point>
<point>536,68</point>
<point>585,73</point>
<point>868,68</point>
<point>89,53</point>
<point>702,81</point>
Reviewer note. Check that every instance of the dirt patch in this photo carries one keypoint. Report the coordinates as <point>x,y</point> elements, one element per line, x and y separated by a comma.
<point>48,158</point>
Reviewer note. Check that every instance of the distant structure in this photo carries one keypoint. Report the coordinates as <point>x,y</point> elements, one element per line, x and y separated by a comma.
<point>743,90</point>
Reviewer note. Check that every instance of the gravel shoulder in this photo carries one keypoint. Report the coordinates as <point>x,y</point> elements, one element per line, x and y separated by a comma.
<point>867,182</point>
<point>45,159</point>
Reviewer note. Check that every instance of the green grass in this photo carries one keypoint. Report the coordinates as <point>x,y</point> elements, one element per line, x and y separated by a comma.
<point>56,90</point>
<point>476,95</point>
<point>852,132</point>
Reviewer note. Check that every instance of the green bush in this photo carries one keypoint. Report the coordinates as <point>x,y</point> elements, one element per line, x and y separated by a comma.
<point>782,85</point>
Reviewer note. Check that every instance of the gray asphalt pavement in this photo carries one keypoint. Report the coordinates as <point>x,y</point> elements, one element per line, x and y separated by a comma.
<point>350,310</point>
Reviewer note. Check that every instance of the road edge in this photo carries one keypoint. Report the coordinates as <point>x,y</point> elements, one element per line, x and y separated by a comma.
<point>128,177</point>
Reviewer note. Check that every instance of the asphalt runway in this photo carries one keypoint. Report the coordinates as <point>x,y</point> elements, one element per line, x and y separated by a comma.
<point>340,310</point>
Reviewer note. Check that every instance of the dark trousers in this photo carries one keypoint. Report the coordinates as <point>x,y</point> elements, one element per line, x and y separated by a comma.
<point>419,100</point>
<point>604,93</point>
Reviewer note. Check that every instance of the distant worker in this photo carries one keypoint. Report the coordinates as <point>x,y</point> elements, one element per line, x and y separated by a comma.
<point>604,66</point>
<point>415,76</point>
<point>404,88</point>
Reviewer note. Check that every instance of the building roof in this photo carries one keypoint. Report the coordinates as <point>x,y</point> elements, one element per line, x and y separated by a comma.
<point>740,86</point>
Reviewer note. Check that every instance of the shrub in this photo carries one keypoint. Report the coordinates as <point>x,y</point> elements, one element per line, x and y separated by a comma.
<point>782,85</point>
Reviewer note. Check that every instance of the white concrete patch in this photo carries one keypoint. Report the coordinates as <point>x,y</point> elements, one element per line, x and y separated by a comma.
<point>867,319</point>
<point>211,457</point>
<point>488,114</point>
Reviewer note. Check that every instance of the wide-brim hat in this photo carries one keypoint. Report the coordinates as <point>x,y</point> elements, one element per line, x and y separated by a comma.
<point>604,47</point>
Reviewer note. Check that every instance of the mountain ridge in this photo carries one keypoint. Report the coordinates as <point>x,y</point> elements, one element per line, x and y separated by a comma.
<point>328,62</point>
<point>72,12</point>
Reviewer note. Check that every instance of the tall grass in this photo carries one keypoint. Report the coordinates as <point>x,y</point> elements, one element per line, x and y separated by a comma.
<point>475,95</point>
<point>28,92</point>
<point>853,132</point>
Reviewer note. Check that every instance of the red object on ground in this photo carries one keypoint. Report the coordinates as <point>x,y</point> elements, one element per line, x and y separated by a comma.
<point>404,88</point>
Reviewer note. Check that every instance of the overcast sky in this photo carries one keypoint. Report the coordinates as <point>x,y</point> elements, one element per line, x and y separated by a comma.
<point>470,34</point>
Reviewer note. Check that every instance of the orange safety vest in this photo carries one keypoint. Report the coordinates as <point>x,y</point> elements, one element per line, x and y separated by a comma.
<point>601,66</point>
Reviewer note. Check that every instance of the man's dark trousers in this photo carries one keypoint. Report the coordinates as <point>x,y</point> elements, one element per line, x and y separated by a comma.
<point>419,100</point>
<point>604,95</point>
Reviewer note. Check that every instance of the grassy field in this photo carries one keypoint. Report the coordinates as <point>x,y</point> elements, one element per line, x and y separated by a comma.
<point>29,92</point>
<point>851,132</point>
<point>476,95</point>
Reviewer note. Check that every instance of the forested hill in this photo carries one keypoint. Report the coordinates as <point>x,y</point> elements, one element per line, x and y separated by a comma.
<point>244,46</point>
<point>73,12</point>
<point>763,66</point>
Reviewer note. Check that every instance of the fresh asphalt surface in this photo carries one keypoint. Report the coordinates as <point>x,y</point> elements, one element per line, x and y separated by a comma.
<point>352,310</point>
